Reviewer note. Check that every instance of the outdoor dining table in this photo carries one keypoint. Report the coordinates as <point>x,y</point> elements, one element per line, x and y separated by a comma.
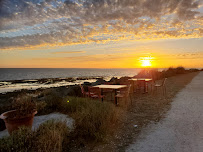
<point>145,80</point>
<point>114,87</point>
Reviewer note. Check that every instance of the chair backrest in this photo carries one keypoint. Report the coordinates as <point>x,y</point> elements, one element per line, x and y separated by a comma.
<point>108,83</point>
<point>128,90</point>
<point>94,90</point>
<point>164,82</point>
<point>82,89</point>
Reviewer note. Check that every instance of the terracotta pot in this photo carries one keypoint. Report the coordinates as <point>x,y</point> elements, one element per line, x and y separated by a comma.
<point>14,123</point>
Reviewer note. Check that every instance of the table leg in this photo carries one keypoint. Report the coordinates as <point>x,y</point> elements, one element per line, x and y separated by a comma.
<point>116,101</point>
<point>133,86</point>
<point>146,83</point>
<point>144,86</point>
<point>102,95</point>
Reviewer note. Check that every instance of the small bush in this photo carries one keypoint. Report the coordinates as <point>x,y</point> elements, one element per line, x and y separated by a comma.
<point>24,105</point>
<point>48,137</point>
<point>193,70</point>
<point>180,70</point>
<point>174,71</point>
<point>53,102</point>
<point>41,107</point>
<point>20,140</point>
<point>94,122</point>
<point>93,119</point>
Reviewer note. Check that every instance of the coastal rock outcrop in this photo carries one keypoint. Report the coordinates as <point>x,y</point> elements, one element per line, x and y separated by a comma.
<point>98,82</point>
<point>114,80</point>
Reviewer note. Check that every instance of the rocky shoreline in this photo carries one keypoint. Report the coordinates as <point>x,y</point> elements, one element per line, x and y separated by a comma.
<point>71,89</point>
<point>16,85</point>
<point>6,99</point>
<point>71,85</point>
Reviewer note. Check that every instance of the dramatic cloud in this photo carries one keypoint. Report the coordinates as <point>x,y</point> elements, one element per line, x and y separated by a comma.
<point>34,23</point>
<point>68,52</point>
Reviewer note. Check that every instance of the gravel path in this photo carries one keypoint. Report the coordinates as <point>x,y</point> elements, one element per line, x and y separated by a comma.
<point>182,128</point>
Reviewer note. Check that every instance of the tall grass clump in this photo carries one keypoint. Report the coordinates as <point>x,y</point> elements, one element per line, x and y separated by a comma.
<point>21,140</point>
<point>50,102</point>
<point>48,137</point>
<point>93,118</point>
<point>94,121</point>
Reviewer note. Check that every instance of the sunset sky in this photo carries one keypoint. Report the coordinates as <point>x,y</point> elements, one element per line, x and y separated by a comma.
<point>101,33</point>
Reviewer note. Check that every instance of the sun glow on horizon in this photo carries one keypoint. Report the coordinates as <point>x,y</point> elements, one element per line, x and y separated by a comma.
<point>146,61</point>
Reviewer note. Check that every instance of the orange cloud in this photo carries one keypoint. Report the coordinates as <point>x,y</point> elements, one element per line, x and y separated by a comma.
<point>68,52</point>
<point>83,22</point>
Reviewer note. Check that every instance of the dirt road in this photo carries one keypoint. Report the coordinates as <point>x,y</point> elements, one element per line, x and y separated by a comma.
<point>182,128</point>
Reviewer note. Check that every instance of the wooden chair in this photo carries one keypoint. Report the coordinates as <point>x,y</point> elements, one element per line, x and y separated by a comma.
<point>124,93</point>
<point>134,86</point>
<point>84,94</point>
<point>95,92</point>
<point>162,85</point>
<point>106,91</point>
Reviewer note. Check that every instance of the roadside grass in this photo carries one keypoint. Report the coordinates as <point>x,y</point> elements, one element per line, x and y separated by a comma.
<point>146,109</point>
<point>93,120</point>
<point>48,137</point>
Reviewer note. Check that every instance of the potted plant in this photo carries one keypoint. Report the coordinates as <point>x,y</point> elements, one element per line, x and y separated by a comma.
<point>22,114</point>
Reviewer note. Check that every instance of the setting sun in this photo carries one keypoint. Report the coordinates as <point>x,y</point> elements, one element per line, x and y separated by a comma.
<point>146,61</point>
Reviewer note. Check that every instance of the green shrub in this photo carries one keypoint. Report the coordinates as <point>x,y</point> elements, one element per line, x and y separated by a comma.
<point>41,106</point>
<point>48,137</point>
<point>24,105</point>
<point>93,122</point>
<point>93,118</point>
<point>180,70</point>
<point>52,103</point>
<point>174,71</point>
<point>20,140</point>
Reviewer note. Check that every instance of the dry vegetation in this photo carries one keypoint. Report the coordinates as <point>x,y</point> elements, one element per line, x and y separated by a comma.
<point>48,137</point>
<point>98,126</point>
<point>93,120</point>
<point>146,108</point>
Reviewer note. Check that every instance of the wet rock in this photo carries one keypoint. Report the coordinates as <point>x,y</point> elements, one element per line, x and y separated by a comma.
<point>87,83</point>
<point>98,82</point>
<point>114,80</point>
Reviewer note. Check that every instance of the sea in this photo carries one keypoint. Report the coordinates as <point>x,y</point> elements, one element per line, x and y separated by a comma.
<point>39,73</point>
<point>32,74</point>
